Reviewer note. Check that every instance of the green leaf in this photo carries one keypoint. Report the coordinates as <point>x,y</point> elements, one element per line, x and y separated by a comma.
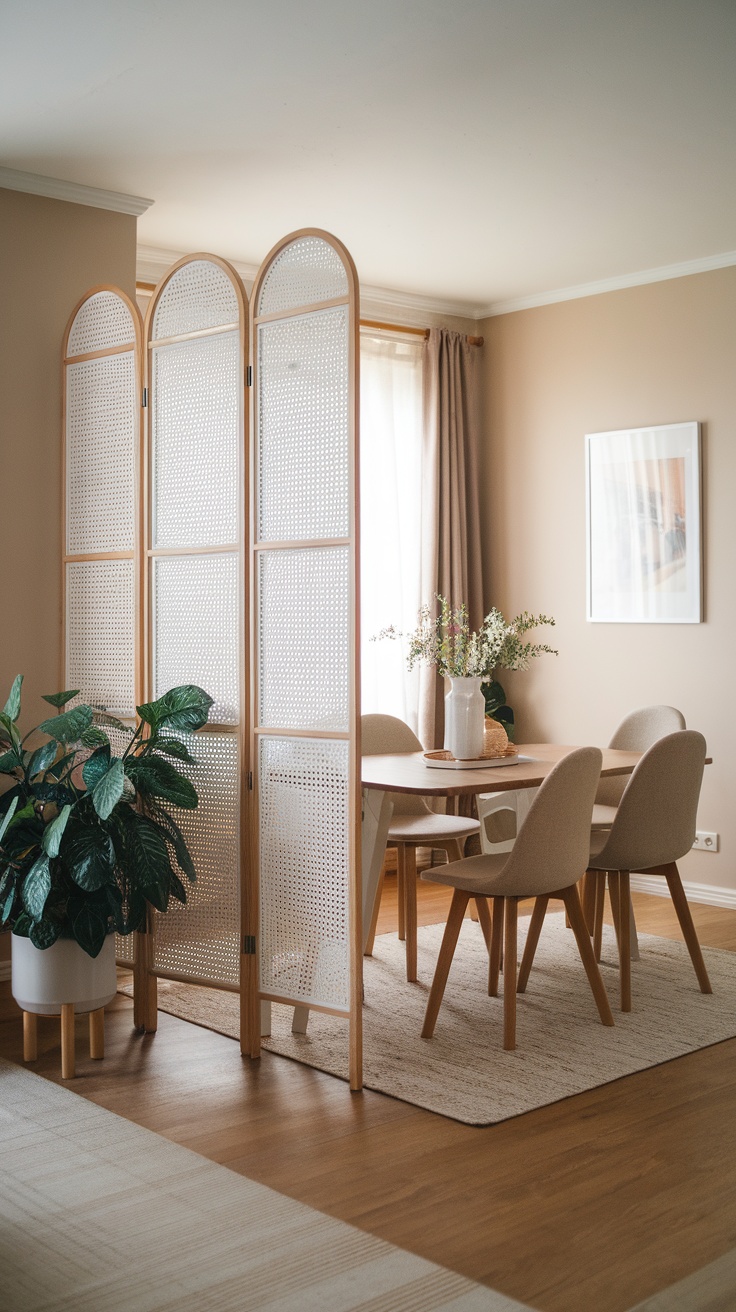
<point>149,858</point>
<point>52,834</point>
<point>9,762</point>
<point>12,705</point>
<point>96,766</point>
<point>101,716</point>
<point>56,770</point>
<point>88,921</point>
<point>7,905</point>
<point>175,837</point>
<point>23,925</point>
<point>94,737</point>
<point>60,698</point>
<point>42,758</point>
<point>4,823</point>
<point>10,733</point>
<point>109,789</point>
<point>36,887</point>
<point>182,709</point>
<point>172,747</point>
<point>69,726</point>
<point>157,777</point>
<point>89,857</point>
<point>44,933</point>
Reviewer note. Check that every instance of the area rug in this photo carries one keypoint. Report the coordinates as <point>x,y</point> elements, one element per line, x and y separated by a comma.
<point>100,1215</point>
<point>463,1071</point>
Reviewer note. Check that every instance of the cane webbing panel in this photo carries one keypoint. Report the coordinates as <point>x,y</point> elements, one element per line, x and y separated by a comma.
<point>100,632</point>
<point>195,627</point>
<point>100,454</point>
<point>198,296</point>
<point>103,321</point>
<point>304,870</point>
<point>304,633</point>
<point>306,271</point>
<point>195,428</point>
<point>303,427</point>
<point>202,938</point>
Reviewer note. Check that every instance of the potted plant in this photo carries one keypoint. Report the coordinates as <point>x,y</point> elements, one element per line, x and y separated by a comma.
<point>87,841</point>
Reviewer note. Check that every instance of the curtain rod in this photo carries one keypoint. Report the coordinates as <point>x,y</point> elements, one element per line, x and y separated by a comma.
<point>364,323</point>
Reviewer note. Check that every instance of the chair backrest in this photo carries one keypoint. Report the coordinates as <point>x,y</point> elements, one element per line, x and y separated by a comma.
<point>384,734</point>
<point>552,847</point>
<point>656,819</point>
<point>636,733</point>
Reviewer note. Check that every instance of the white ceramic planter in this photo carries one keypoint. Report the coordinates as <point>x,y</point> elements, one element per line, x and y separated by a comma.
<point>465,712</point>
<point>63,973</point>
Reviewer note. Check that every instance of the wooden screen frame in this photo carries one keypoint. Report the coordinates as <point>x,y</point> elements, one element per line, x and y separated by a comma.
<point>146,973</point>
<point>251,996</point>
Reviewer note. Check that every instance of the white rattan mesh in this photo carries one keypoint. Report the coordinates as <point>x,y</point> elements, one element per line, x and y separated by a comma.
<point>305,272</point>
<point>101,322</point>
<point>304,864</point>
<point>198,296</point>
<point>195,426</point>
<point>100,632</point>
<point>201,939</point>
<point>303,427</point>
<point>195,626</point>
<point>303,633</point>
<point>101,415</point>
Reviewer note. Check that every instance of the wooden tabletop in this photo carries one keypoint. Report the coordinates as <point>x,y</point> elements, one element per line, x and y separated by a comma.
<point>409,773</point>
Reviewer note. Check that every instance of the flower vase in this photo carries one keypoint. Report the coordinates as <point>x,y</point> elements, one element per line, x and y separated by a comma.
<point>465,710</point>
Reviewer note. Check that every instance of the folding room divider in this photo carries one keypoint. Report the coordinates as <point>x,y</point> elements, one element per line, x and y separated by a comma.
<point>160,589</point>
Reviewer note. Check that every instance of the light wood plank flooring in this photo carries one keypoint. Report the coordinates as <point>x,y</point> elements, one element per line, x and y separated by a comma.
<point>594,1203</point>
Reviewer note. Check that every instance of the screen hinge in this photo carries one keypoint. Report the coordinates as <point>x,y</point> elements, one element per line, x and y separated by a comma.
<point>249,376</point>
<point>249,945</point>
<point>250,780</point>
<point>144,398</point>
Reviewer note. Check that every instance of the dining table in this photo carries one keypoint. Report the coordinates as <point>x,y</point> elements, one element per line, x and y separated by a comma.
<point>409,772</point>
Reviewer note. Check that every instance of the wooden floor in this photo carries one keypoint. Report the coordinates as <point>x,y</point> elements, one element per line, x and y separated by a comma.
<point>591,1204</point>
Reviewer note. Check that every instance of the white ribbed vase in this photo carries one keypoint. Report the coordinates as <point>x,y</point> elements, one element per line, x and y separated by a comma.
<point>45,978</point>
<point>465,711</point>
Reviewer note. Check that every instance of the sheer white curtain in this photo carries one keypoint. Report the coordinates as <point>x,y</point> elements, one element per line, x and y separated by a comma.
<point>390,507</point>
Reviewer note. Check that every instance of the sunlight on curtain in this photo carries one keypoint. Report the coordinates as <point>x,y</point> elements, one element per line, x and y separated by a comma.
<point>390,500</point>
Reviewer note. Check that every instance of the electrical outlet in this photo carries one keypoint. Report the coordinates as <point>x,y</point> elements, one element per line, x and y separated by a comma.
<point>706,842</point>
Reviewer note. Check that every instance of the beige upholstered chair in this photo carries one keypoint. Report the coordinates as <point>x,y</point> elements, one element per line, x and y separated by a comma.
<point>547,860</point>
<point>413,825</point>
<point>636,733</point>
<point>654,826</point>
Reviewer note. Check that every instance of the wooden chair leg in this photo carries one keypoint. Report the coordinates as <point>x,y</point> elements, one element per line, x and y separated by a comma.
<point>600,896</point>
<point>30,1036</point>
<point>370,940</point>
<point>587,955</point>
<point>410,911</point>
<point>511,912</point>
<point>67,1041</point>
<point>624,899</point>
<point>401,887</point>
<point>614,896</point>
<point>444,960</point>
<point>682,910</point>
<point>97,1034</point>
<point>494,963</point>
<point>532,938</point>
<point>484,916</point>
<point>590,883</point>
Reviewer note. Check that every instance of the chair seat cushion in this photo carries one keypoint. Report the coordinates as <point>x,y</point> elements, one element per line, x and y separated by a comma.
<point>424,830</point>
<point>480,875</point>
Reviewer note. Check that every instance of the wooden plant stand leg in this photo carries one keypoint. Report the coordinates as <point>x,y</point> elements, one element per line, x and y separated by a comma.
<point>444,961</point>
<point>67,1041</point>
<point>97,1034</point>
<point>494,964</point>
<point>511,916</point>
<point>532,938</point>
<point>587,955</point>
<point>410,911</point>
<point>682,910</point>
<point>30,1036</point>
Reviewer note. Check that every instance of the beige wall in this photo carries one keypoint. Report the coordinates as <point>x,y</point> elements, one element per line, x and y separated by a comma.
<point>51,253</point>
<point>648,355</point>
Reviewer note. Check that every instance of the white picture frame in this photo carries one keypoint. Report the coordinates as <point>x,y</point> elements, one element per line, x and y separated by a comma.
<point>644,525</point>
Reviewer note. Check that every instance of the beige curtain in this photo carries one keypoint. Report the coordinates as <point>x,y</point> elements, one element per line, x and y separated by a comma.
<point>451,551</point>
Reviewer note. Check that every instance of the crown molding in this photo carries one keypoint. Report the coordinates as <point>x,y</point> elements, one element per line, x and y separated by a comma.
<point>661,274</point>
<point>76,192</point>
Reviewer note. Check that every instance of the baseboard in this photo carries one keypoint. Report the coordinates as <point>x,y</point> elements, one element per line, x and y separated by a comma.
<point>712,895</point>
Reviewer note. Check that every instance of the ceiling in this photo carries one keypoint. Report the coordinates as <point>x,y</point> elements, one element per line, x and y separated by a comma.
<point>475,151</point>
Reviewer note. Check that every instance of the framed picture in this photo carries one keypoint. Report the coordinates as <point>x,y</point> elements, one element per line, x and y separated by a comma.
<point>644,525</point>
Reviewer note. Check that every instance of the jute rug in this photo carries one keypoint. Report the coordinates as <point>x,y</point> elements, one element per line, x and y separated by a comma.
<point>100,1215</point>
<point>463,1071</point>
